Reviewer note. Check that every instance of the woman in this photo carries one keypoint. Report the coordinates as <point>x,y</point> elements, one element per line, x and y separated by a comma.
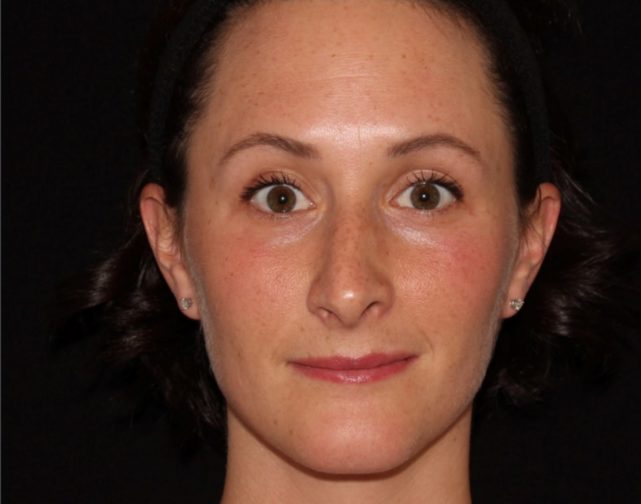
<point>353,200</point>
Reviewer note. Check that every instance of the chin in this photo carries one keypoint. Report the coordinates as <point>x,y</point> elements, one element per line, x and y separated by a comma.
<point>355,449</point>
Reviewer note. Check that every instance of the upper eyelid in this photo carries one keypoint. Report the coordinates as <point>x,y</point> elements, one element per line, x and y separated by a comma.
<point>279,178</point>
<point>436,178</point>
<point>267,180</point>
<point>428,176</point>
<point>415,177</point>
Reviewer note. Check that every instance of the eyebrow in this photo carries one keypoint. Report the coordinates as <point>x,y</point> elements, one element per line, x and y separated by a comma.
<point>288,145</point>
<point>304,150</point>
<point>429,141</point>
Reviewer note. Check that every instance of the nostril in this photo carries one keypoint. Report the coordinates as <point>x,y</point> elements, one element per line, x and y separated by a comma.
<point>325,314</point>
<point>373,309</point>
<point>370,307</point>
<point>348,314</point>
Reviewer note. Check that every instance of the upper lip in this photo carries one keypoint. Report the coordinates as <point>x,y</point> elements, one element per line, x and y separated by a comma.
<point>341,363</point>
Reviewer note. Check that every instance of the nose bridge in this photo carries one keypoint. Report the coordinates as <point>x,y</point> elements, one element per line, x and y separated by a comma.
<point>351,234</point>
<point>352,281</point>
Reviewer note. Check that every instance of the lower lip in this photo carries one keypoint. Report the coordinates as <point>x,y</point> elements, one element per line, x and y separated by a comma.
<point>355,376</point>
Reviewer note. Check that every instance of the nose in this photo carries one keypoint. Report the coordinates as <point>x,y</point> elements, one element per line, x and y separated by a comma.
<point>352,283</point>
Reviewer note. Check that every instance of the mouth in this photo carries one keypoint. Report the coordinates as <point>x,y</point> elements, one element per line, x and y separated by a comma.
<point>367,369</point>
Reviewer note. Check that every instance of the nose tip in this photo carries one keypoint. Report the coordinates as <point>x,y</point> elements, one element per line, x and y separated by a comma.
<point>352,285</point>
<point>348,309</point>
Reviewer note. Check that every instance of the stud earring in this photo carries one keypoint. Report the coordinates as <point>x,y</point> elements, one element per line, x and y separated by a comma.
<point>516,304</point>
<point>186,303</point>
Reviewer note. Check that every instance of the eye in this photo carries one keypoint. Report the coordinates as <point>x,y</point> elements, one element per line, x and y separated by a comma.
<point>429,194</point>
<point>276,193</point>
<point>280,198</point>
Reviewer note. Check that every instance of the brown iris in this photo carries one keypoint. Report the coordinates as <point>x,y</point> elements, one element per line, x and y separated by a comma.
<point>281,199</point>
<point>425,196</point>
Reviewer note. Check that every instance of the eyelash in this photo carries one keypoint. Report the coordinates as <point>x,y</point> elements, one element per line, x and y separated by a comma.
<point>415,178</point>
<point>266,181</point>
<point>438,179</point>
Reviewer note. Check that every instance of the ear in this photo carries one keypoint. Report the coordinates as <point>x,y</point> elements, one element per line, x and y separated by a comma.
<point>161,225</point>
<point>536,236</point>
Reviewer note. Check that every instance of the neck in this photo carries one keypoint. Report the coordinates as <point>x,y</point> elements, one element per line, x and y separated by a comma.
<point>439,474</point>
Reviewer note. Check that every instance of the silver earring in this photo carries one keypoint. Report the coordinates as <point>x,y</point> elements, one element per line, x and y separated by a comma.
<point>186,303</point>
<point>516,304</point>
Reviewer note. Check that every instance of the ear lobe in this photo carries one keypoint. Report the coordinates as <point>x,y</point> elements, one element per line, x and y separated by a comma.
<point>161,226</point>
<point>535,240</point>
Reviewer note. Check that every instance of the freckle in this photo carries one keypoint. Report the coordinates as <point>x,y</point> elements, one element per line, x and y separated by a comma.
<point>275,422</point>
<point>333,55</point>
<point>403,56</point>
<point>291,432</point>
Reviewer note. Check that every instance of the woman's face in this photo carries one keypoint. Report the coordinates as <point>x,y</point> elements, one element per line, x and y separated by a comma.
<point>350,231</point>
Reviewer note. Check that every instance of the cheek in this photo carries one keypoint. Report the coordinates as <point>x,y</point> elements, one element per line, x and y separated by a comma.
<point>465,269</point>
<point>250,292</point>
<point>240,270</point>
<point>456,289</point>
<point>256,280</point>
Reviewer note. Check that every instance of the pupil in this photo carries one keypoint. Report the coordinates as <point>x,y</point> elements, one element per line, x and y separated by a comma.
<point>425,196</point>
<point>281,199</point>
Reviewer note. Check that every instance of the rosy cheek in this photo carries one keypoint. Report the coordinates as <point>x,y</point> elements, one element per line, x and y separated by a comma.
<point>462,268</point>
<point>246,275</point>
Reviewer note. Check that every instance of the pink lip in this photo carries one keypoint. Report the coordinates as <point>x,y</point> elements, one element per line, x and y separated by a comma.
<point>366,369</point>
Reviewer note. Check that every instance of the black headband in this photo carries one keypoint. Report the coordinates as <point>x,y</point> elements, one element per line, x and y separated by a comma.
<point>495,16</point>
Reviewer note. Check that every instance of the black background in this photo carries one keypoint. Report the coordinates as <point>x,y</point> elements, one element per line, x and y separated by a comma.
<point>68,154</point>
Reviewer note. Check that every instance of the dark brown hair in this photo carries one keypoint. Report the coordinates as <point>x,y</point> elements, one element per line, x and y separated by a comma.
<point>567,320</point>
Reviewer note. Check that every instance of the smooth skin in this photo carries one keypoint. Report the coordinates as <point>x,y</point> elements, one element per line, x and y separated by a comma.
<point>348,106</point>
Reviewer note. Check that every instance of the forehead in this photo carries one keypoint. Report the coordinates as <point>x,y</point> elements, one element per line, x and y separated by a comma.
<point>307,66</point>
